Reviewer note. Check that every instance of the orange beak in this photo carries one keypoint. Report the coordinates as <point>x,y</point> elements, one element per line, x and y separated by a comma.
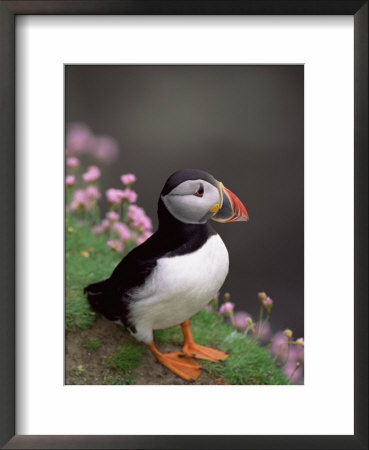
<point>231,208</point>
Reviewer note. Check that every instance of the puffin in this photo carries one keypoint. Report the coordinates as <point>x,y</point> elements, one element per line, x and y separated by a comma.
<point>175,273</point>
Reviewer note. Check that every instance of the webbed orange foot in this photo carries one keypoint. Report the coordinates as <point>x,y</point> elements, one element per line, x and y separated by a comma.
<point>200,352</point>
<point>191,349</point>
<point>186,368</point>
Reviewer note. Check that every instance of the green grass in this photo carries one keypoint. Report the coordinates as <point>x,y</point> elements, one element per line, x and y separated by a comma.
<point>93,344</point>
<point>88,259</point>
<point>125,360</point>
<point>248,363</point>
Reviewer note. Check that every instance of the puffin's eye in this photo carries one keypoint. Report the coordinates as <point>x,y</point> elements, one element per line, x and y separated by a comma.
<point>200,191</point>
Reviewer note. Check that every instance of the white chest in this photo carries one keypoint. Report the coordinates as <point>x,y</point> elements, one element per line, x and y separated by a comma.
<point>180,286</point>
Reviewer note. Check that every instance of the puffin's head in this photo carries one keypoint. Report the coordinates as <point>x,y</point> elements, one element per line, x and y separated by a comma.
<point>194,196</point>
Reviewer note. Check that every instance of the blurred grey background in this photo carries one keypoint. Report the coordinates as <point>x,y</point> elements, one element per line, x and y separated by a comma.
<point>242,123</point>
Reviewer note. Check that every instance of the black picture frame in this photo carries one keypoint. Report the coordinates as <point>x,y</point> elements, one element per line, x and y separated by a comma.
<point>8,12</point>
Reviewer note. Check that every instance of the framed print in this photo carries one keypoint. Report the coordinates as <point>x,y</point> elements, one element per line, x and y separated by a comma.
<point>195,106</point>
<point>163,82</point>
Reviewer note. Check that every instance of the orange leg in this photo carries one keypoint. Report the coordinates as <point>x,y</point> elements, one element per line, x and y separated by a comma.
<point>186,368</point>
<point>190,348</point>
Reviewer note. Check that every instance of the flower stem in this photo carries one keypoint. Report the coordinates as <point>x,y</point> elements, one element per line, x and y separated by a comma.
<point>256,337</point>
<point>288,353</point>
<point>261,329</point>
<point>124,210</point>
<point>294,371</point>
<point>279,350</point>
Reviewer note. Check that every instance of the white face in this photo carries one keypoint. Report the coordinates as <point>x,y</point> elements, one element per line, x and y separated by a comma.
<point>191,201</point>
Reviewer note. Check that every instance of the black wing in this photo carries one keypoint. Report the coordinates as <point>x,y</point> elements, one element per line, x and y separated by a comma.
<point>111,297</point>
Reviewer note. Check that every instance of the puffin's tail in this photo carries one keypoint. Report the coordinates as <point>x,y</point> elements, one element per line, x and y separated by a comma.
<point>97,294</point>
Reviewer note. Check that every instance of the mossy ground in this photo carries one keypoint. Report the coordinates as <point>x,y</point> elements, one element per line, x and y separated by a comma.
<point>100,352</point>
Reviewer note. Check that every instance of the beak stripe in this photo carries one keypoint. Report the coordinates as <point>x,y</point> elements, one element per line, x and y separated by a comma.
<point>240,212</point>
<point>231,208</point>
<point>220,187</point>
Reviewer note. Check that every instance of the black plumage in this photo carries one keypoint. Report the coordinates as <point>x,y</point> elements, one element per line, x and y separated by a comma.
<point>111,297</point>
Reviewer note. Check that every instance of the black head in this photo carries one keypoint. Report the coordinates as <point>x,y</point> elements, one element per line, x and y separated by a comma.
<point>193,196</point>
<point>183,175</point>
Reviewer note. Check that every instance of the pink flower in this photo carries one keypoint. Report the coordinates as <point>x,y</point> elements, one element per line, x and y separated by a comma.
<point>144,236</point>
<point>92,193</point>
<point>240,320</point>
<point>92,174</point>
<point>117,246</point>
<point>226,308</point>
<point>114,196</point>
<point>128,179</point>
<point>296,353</point>
<point>72,162</point>
<point>80,196</point>
<point>265,331</point>
<point>123,231</point>
<point>139,219</point>
<point>135,212</point>
<point>112,216</point>
<point>105,149</point>
<point>84,199</point>
<point>105,224</point>
<point>79,138</point>
<point>79,201</point>
<point>98,229</point>
<point>279,346</point>
<point>295,374</point>
<point>267,303</point>
<point>131,196</point>
<point>69,180</point>
<point>145,224</point>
